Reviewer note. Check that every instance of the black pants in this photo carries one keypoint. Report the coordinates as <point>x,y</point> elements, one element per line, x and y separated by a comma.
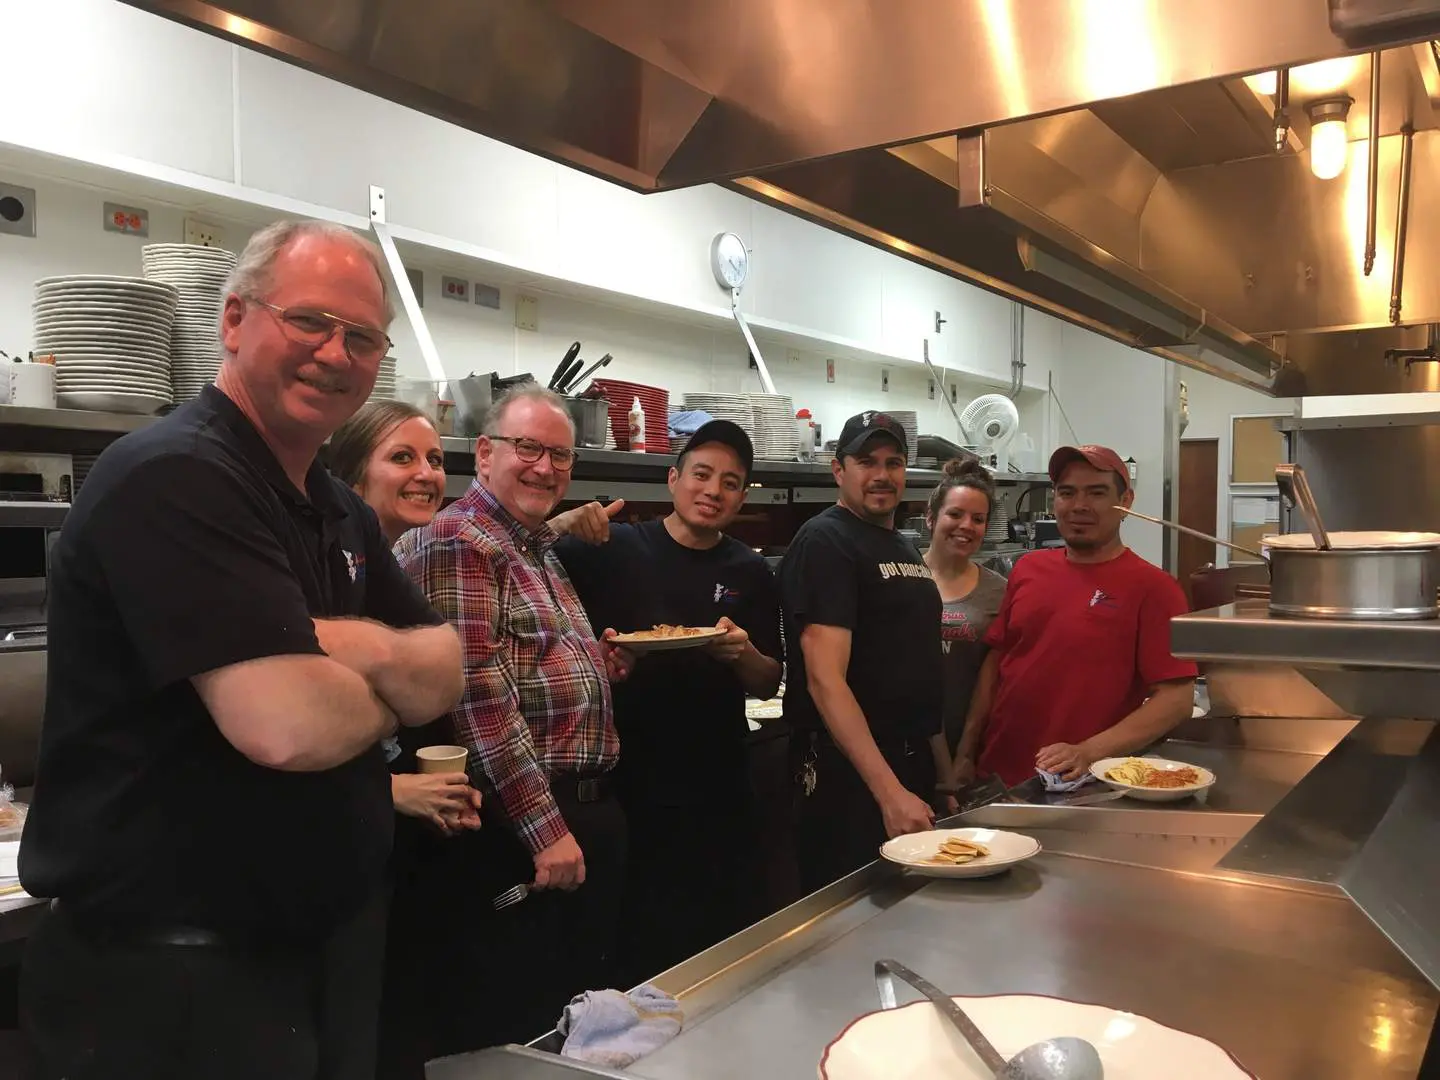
<point>99,1008</point>
<point>839,827</point>
<point>694,879</point>
<point>461,976</point>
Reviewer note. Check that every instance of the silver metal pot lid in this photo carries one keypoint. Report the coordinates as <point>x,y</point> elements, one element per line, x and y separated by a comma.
<point>1370,540</point>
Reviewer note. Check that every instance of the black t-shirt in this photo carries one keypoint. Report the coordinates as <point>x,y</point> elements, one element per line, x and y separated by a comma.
<point>843,571</point>
<point>681,714</point>
<point>188,550</point>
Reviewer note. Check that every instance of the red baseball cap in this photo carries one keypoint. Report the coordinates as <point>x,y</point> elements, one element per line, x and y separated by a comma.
<point>1099,457</point>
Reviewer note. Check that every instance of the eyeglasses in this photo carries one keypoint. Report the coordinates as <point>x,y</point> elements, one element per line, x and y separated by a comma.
<point>562,458</point>
<point>306,326</point>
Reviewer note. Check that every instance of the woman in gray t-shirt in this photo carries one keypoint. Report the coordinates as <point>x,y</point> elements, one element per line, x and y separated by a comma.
<point>958,514</point>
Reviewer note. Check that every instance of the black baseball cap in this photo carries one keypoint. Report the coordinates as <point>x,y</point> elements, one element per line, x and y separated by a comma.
<point>727,434</point>
<point>862,427</point>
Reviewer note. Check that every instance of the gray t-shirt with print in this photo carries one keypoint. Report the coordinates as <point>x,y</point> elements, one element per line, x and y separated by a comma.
<point>963,624</point>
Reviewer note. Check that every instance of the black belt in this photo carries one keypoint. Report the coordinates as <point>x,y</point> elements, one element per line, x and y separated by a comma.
<point>586,789</point>
<point>821,740</point>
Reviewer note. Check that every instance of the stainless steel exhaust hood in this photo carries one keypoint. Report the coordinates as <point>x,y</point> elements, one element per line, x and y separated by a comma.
<point>1103,162</point>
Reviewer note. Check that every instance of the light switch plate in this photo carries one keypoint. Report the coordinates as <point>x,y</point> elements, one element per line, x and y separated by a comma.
<point>17,210</point>
<point>130,220</point>
<point>203,232</point>
<point>884,380</point>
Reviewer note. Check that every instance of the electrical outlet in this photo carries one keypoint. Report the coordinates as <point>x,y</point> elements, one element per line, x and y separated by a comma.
<point>527,313</point>
<point>131,220</point>
<point>884,380</point>
<point>202,232</point>
<point>487,296</point>
<point>17,210</point>
<point>931,392</point>
<point>829,369</point>
<point>454,288</point>
<point>792,358</point>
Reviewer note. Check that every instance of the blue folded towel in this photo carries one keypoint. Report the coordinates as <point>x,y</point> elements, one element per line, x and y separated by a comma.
<point>613,1029</point>
<point>1053,781</point>
<point>687,422</point>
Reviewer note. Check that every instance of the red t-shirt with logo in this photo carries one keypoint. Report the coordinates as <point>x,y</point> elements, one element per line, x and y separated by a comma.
<point>1080,645</point>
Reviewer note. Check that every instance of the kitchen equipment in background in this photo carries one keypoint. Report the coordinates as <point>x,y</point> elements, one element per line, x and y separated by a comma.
<point>1371,576</point>
<point>198,275</point>
<point>619,393</point>
<point>990,422</point>
<point>563,369</point>
<point>573,386</point>
<point>940,449</point>
<point>909,421</point>
<point>592,418</point>
<point>28,385</point>
<point>431,398</point>
<point>384,388</point>
<point>110,337</point>
<point>473,397</point>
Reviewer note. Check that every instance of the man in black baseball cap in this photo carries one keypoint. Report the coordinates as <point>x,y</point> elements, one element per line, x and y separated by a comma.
<point>863,693</point>
<point>681,714</point>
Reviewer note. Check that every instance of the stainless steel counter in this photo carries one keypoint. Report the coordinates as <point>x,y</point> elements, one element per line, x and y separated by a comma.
<point>1295,985</point>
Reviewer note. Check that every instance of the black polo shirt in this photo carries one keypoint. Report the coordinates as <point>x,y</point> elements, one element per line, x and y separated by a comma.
<point>188,550</point>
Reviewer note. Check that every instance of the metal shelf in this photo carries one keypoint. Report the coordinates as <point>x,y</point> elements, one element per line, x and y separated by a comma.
<point>1246,632</point>
<point>71,420</point>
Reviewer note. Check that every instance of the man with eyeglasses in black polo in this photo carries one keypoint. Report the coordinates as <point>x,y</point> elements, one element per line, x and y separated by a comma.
<point>537,718</point>
<point>230,639</point>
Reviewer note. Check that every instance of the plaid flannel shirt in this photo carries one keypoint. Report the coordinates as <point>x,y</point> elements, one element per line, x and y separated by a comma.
<point>537,699</point>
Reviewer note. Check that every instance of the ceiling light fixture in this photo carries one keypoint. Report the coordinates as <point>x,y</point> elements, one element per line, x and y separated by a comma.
<point>1329,142</point>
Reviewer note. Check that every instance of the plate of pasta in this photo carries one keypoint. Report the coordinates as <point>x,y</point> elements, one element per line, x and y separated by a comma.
<point>1153,779</point>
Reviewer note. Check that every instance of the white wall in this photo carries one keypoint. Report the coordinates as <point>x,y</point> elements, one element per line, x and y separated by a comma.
<point>1214,403</point>
<point>696,355</point>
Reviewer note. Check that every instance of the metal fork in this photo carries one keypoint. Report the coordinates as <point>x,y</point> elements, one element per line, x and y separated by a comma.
<point>510,897</point>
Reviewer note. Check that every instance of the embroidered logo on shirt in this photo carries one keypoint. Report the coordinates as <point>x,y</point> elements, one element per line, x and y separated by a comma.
<point>724,595</point>
<point>354,565</point>
<point>1102,599</point>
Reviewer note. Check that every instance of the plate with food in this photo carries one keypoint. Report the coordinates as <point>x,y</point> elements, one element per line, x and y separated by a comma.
<point>914,1042</point>
<point>1153,779</point>
<point>960,853</point>
<point>662,637</point>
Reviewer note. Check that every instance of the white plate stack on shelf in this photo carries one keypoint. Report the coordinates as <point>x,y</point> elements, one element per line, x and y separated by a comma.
<point>733,407</point>
<point>910,422</point>
<point>110,337</point>
<point>775,435</point>
<point>384,381</point>
<point>198,273</point>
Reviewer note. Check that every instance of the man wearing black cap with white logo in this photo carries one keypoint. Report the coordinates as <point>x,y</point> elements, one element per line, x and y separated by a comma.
<point>693,872</point>
<point>864,687</point>
<point>1079,666</point>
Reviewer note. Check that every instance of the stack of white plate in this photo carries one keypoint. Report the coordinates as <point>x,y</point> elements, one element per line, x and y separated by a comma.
<point>776,436</point>
<point>909,421</point>
<point>198,273</point>
<point>384,381</point>
<point>733,407</point>
<point>110,337</point>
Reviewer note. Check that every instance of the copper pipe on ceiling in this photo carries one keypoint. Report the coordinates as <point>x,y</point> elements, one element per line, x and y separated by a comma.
<point>1372,175</point>
<point>1402,222</point>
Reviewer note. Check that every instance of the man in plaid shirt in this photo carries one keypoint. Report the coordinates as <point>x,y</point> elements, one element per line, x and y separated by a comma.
<point>536,717</point>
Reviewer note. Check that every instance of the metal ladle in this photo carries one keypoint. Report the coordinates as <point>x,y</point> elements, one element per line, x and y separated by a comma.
<point>1064,1058</point>
<point>1295,490</point>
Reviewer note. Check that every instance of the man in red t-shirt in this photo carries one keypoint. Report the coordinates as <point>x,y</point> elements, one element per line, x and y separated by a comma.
<point>1079,666</point>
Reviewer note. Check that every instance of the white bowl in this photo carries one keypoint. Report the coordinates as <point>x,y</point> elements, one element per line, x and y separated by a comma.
<point>914,1042</point>
<point>1006,849</point>
<point>1149,794</point>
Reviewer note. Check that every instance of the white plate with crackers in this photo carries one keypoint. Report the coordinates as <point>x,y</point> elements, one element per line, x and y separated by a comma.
<point>960,853</point>
<point>662,638</point>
